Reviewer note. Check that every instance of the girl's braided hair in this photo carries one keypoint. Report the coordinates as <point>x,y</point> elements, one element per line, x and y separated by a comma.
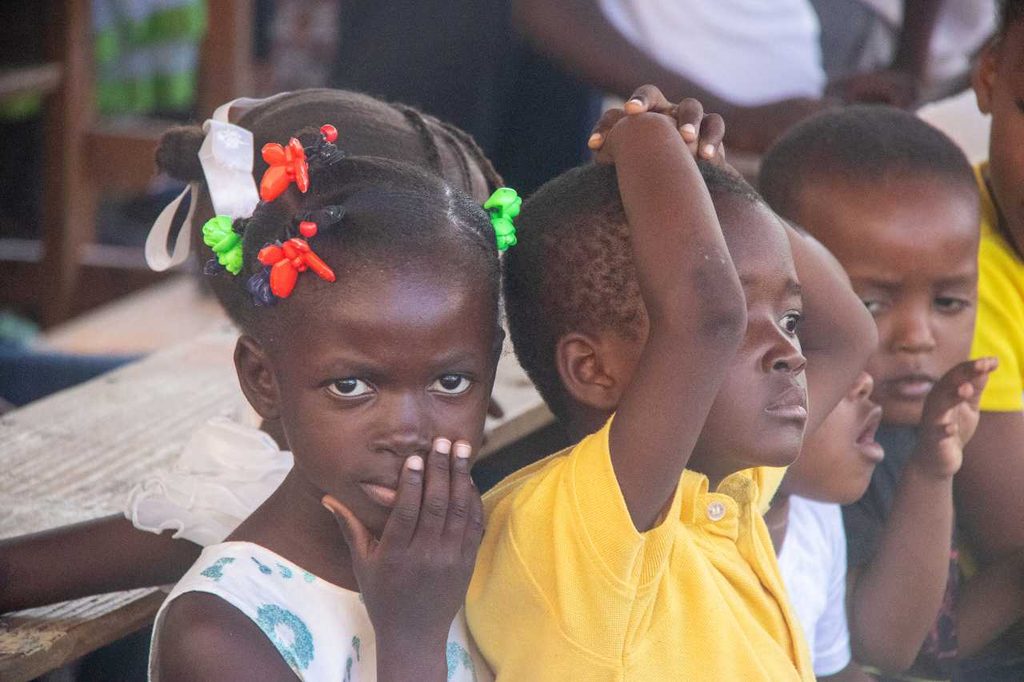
<point>393,214</point>
<point>367,127</point>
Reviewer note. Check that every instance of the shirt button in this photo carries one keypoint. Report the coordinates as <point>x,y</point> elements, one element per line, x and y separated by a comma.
<point>716,510</point>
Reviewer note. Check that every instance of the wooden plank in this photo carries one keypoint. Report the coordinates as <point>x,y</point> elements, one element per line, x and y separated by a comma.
<point>36,641</point>
<point>119,152</point>
<point>169,313</point>
<point>37,79</point>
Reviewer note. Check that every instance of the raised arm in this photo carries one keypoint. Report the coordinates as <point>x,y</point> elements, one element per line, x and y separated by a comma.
<point>93,557</point>
<point>694,304</point>
<point>837,333</point>
<point>894,599</point>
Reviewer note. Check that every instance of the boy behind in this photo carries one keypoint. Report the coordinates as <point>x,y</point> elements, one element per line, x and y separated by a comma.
<point>897,204</point>
<point>570,580</point>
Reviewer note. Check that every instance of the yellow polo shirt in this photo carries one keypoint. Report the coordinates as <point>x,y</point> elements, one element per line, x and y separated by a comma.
<point>999,330</point>
<point>565,588</point>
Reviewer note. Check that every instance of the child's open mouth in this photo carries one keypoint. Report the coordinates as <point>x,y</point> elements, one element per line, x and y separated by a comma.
<point>382,495</point>
<point>866,442</point>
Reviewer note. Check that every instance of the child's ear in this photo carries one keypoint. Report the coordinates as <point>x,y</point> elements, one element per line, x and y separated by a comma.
<point>984,75</point>
<point>592,369</point>
<point>256,376</point>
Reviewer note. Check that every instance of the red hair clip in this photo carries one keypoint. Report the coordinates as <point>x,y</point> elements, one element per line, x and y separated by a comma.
<point>287,165</point>
<point>287,260</point>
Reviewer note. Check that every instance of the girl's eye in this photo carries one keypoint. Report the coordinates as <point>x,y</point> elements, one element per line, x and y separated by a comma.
<point>790,322</point>
<point>874,307</point>
<point>949,304</point>
<point>349,388</point>
<point>452,384</point>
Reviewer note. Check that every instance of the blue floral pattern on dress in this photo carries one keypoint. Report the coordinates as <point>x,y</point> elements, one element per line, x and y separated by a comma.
<point>288,633</point>
<point>216,571</point>
<point>264,569</point>
<point>456,656</point>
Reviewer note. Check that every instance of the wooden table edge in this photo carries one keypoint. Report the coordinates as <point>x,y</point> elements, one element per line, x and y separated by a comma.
<point>83,639</point>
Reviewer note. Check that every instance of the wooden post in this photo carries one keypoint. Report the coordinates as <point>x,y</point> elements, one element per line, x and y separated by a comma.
<point>69,202</point>
<point>225,60</point>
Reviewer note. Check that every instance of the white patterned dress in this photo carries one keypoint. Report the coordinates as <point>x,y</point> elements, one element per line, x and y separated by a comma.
<point>322,631</point>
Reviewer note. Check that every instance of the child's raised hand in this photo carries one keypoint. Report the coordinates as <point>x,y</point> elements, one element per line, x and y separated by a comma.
<point>414,578</point>
<point>702,133</point>
<point>951,415</point>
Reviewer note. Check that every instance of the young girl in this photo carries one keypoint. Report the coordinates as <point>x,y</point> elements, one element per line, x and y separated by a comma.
<point>230,465</point>
<point>372,335</point>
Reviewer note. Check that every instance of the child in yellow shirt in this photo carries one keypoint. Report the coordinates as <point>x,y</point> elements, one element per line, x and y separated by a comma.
<point>640,553</point>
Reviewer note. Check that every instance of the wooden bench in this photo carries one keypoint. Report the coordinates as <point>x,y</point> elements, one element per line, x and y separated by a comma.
<point>75,455</point>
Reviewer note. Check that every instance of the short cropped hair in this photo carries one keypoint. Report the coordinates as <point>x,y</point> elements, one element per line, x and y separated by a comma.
<point>1010,13</point>
<point>861,144</point>
<point>572,269</point>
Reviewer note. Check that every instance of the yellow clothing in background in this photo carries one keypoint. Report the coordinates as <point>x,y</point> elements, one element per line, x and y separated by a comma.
<point>999,330</point>
<point>565,588</point>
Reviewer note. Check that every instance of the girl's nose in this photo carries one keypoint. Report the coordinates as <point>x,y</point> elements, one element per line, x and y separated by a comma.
<point>405,427</point>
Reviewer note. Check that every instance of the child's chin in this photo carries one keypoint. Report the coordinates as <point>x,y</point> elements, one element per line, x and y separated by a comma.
<point>782,456</point>
<point>902,412</point>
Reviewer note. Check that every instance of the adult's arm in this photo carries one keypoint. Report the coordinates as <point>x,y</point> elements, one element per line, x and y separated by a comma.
<point>103,555</point>
<point>577,35</point>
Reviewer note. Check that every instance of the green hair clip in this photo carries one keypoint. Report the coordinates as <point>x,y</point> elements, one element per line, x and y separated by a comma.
<point>503,206</point>
<point>225,242</point>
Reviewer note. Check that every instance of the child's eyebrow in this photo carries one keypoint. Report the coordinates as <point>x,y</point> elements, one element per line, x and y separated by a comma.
<point>790,288</point>
<point>956,281</point>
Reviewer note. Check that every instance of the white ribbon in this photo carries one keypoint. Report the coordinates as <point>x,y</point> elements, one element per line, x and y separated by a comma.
<point>226,156</point>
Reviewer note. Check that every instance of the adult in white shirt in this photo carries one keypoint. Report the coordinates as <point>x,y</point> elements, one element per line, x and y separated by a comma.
<point>757,63</point>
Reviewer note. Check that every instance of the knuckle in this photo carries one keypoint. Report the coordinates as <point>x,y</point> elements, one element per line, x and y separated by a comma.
<point>436,507</point>
<point>459,509</point>
<point>407,513</point>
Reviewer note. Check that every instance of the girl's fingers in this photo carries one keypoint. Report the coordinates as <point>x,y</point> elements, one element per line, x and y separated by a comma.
<point>712,130</point>
<point>401,525</point>
<point>462,492</point>
<point>604,124</point>
<point>435,490</point>
<point>474,531</point>
<point>648,98</point>
<point>357,536</point>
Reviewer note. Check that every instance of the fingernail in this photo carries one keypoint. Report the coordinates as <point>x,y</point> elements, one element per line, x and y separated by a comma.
<point>415,463</point>
<point>462,450</point>
<point>636,102</point>
<point>689,131</point>
<point>443,445</point>
<point>594,140</point>
<point>709,150</point>
<point>327,506</point>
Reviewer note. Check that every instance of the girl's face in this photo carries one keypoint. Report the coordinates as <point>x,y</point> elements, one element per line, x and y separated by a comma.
<point>371,368</point>
<point>839,457</point>
<point>759,414</point>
